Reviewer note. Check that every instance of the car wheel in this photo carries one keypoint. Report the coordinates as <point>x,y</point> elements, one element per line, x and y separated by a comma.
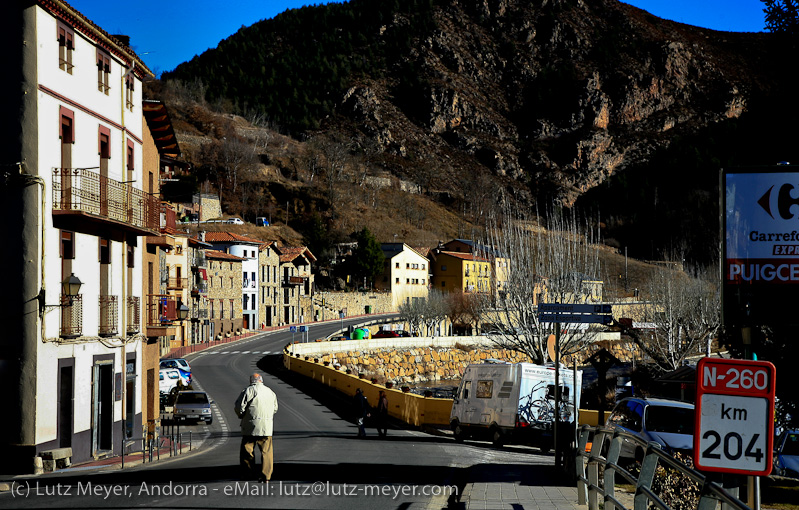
<point>496,437</point>
<point>459,433</point>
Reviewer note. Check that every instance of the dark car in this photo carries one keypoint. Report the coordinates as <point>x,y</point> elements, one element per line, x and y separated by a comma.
<point>669,423</point>
<point>384,333</point>
<point>192,405</point>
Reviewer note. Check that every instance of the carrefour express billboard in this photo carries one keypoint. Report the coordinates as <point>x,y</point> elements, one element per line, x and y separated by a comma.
<point>761,226</point>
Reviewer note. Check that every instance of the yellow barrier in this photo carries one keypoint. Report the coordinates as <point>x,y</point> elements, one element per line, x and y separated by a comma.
<point>411,408</point>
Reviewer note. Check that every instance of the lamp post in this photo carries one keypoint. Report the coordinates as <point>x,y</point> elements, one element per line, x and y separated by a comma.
<point>70,288</point>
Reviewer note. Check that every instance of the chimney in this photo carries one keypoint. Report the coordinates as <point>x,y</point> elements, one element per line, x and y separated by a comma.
<point>123,39</point>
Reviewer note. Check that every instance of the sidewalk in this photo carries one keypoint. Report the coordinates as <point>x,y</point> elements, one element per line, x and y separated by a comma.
<point>514,495</point>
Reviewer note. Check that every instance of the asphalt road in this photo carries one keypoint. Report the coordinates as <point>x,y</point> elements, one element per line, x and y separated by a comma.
<point>319,460</point>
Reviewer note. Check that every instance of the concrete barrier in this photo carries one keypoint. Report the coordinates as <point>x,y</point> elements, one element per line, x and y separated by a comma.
<point>413,409</point>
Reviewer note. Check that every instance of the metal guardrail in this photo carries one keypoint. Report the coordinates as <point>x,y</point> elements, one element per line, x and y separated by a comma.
<point>604,454</point>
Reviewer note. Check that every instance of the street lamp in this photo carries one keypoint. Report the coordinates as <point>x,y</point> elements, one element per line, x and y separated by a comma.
<point>183,311</point>
<point>70,288</point>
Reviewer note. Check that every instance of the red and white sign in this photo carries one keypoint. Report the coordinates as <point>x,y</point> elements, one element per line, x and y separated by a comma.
<point>734,416</point>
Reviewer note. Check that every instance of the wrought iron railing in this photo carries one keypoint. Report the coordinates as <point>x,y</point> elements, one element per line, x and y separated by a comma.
<point>293,280</point>
<point>81,190</point>
<point>71,315</point>
<point>177,283</point>
<point>162,309</point>
<point>109,316</point>
<point>198,258</point>
<point>134,314</point>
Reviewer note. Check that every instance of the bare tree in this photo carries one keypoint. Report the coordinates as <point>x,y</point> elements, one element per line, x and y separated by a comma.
<point>558,263</point>
<point>681,315</point>
<point>424,314</point>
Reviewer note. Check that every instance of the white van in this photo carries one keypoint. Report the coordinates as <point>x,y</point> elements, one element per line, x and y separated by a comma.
<point>513,403</point>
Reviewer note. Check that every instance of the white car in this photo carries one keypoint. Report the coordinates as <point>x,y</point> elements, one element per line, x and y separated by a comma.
<point>167,379</point>
<point>236,221</point>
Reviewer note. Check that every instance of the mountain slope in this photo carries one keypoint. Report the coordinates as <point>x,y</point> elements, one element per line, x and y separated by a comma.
<point>528,100</point>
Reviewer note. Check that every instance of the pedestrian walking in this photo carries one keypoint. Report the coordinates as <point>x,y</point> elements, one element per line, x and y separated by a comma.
<point>362,411</point>
<point>256,406</point>
<point>381,419</point>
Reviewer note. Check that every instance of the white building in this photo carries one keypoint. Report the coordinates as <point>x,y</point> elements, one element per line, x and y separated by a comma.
<point>406,274</point>
<point>246,248</point>
<point>72,203</point>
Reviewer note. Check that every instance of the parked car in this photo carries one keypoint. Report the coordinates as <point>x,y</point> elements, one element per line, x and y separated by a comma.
<point>669,423</point>
<point>192,405</point>
<point>167,379</point>
<point>385,333</point>
<point>179,364</point>
<point>786,454</point>
<point>235,221</point>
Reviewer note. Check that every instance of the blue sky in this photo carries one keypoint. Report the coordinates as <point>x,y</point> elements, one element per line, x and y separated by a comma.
<point>167,32</point>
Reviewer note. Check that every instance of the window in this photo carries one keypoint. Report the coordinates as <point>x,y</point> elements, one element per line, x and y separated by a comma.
<point>130,159</point>
<point>67,244</point>
<point>397,280</point>
<point>131,256</point>
<point>231,309</point>
<point>129,87</point>
<point>105,251</point>
<point>484,389</point>
<point>66,45</point>
<point>245,301</point>
<point>103,71</point>
<point>396,265</point>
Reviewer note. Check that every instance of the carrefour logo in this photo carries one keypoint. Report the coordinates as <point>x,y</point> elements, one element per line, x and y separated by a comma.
<point>785,201</point>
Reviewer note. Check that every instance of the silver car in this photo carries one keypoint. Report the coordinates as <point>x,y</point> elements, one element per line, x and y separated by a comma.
<point>669,423</point>
<point>194,406</point>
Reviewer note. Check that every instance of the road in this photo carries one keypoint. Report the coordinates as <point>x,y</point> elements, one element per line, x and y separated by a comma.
<point>319,461</point>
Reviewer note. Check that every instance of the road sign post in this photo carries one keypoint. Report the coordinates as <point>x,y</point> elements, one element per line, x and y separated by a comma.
<point>734,416</point>
<point>569,313</point>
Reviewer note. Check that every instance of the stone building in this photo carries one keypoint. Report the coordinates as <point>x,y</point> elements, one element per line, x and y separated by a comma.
<point>269,291</point>
<point>224,293</point>
<point>297,283</point>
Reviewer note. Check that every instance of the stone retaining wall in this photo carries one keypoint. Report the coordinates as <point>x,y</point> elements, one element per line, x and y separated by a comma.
<point>354,302</point>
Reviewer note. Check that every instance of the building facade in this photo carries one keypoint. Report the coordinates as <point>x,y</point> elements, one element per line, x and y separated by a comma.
<point>297,283</point>
<point>74,204</point>
<point>224,293</point>
<point>406,274</point>
<point>269,268</point>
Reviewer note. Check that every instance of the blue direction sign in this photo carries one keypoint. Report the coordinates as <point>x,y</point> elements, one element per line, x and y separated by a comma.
<point>572,308</point>
<point>567,313</point>
<point>572,318</point>
<point>293,329</point>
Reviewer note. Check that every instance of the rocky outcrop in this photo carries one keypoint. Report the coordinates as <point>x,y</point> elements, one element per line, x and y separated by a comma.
<point>560,93</point>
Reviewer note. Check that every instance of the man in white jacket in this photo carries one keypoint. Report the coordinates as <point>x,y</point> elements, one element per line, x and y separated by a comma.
<point>256,406</point>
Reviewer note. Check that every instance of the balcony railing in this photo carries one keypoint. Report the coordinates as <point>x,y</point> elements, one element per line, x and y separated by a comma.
<point>71,315</point>
<point>199,313</point>
<point>109,316</point>
<point>177,283</point>
<point>168,218</point>
<point>293,280</point>
<point>198,258</point>
<point>134,314</point>
<point>162,310</point>
<point>76,190</point>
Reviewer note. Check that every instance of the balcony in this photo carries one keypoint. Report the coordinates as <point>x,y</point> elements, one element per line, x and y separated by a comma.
<point>198,258</point>
<point>82,194</point>
<point>199,286</point>
<point>109,316</point>
<point>162,311</point>
<point>168,219</point>
<point>177,283</point>
<point>71,316</point>
<point>289,281</point>
<point>134,314</point>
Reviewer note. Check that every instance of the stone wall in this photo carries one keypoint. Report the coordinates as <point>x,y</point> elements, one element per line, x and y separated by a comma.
<point>328,304</point>
<point>419,364</point>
